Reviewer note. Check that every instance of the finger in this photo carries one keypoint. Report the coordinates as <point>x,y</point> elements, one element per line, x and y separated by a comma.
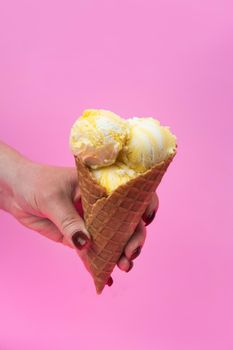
<point>77,195</point>
<point>125,264</point>
<point>63,214</point>
<point>43,226</point>
<point>110,281</point>
<point>151,210</point>
<point>136,242</point>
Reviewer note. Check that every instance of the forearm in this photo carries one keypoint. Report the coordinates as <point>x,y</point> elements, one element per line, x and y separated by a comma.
<point>11,163</point>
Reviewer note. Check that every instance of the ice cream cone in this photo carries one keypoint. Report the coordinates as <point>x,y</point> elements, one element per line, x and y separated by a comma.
<point>112,218</point>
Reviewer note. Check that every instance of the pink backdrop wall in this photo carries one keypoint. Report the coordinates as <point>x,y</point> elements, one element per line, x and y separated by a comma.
<point>164,58</point>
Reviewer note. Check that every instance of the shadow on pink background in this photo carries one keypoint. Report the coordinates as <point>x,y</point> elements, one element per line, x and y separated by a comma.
<point>167,59</point>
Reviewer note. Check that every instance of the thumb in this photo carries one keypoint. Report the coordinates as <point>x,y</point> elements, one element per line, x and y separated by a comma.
<point>71,225</point>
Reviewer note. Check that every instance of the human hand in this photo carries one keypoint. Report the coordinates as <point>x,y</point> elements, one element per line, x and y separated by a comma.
<point>46,198</point>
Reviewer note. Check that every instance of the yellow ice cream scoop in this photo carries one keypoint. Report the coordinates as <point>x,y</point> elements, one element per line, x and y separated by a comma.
<point>148,143</point>
<point>113,176</point>
<point>97,137</point>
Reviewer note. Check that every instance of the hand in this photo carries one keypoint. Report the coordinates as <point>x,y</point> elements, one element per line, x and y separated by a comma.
<point>45,199</point>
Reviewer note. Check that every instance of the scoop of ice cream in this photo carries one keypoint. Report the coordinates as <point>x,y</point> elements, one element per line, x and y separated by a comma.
<point>148,143</point>
<point>97,137</point>
<point>113,176</point>
<point>118,150</point>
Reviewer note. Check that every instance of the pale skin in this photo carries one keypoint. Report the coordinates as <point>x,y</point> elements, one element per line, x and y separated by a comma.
<point>45,198</point>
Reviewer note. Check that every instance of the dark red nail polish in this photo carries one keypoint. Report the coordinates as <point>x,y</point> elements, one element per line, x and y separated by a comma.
<point>110,281</point>
<point>130,266</point>
<point>135,253</point>
<point>148,219</point>
<point>80,240</point>
<point>79,208</point>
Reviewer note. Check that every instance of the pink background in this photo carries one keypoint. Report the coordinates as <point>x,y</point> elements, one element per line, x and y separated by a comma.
<point>162,58</point>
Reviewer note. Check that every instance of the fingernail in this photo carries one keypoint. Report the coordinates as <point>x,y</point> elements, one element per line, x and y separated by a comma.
<point>130,266</point>
<point>110,281</point>
<point>79,208</point>
<point>80,240</point>
<point>135,253</point>
<point>149,218</point>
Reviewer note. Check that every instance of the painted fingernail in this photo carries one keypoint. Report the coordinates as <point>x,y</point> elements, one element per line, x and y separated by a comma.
<point>110,281</point>
<point>79,208</point>
<point>149,218</point>
<point>135,253</point>
<point>80,240</point>
<point>130,266</point>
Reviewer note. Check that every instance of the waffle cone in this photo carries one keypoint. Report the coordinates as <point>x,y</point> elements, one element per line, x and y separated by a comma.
<point>112,219</point>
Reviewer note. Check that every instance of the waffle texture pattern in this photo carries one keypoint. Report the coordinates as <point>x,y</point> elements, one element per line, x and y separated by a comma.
<point>112,219</point>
